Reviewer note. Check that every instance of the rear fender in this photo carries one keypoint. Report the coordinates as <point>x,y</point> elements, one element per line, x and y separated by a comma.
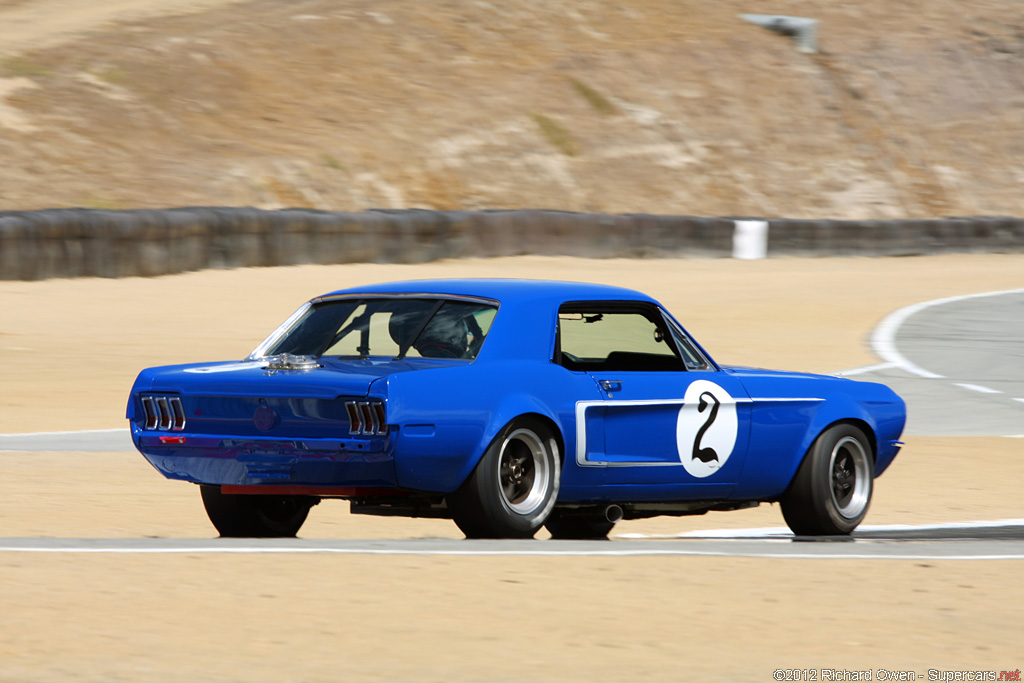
<point>516,407</point>
<point>512,408</point>
<point>447,418</point>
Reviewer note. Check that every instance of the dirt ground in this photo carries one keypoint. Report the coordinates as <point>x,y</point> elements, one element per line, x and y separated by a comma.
<point>72,348</point>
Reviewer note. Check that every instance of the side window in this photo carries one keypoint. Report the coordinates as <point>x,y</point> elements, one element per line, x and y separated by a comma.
<point>599,337</point>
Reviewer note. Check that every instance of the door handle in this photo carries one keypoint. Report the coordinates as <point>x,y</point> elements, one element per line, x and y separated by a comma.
<point>610,385</point>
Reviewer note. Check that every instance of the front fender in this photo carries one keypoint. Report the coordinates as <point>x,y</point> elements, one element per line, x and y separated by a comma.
<point>876,407</point>
<point>782,435</point>
<point>838,409</point>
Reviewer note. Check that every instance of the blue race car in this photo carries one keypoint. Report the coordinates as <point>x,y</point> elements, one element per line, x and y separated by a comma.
<point>507,405</point>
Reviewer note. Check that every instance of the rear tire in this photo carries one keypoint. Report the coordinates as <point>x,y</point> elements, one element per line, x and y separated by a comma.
<point>255,516</point>
<point>832,489</point>
<point>514,486</point>
<point>568,526</point>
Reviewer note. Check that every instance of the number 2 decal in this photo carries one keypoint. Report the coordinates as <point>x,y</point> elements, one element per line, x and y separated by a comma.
<point>706,454</point>
<point>706,428</point>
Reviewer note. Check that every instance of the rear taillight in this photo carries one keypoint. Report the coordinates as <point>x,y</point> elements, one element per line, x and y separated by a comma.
<point>366,417</point>
<point>149,406</point>
<point>355,422</point>
<point>163,413</point>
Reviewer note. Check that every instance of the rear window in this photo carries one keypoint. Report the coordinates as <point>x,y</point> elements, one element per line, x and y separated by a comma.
<point>389,327</point>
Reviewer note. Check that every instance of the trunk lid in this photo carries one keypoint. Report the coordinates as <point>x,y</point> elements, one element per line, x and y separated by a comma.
<point>250,399</point>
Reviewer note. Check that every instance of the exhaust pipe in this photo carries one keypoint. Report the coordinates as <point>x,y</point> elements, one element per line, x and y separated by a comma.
<point>613,513</point>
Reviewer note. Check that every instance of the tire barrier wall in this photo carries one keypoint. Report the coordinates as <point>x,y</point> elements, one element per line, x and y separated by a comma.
<point>55,243</point>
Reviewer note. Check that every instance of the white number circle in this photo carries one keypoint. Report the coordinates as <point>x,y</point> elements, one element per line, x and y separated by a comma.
<point>706,428</point>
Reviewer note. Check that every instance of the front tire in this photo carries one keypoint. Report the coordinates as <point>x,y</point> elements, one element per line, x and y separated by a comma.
<point>255,516</point>
<point>513,489</point>
<point>832,489</point>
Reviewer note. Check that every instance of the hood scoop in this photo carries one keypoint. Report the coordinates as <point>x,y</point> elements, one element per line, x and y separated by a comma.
<point>287,361</point>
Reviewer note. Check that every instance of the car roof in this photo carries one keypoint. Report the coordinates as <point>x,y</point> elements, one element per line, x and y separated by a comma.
<point>504,290</point>
<point>525,327</point>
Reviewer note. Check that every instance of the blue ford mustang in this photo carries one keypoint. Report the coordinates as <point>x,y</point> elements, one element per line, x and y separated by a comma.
<point>507,405</point>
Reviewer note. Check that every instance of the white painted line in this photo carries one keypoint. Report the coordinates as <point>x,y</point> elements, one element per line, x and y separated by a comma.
<point>504,553</point>
<point>978,524</point>
<point>784,532</point>
<point>883,340</point>
<point>977,387</point>
<point>1019,399</point>
<point>865,369</point>
<point>80,431</point>
<point>766,532</point>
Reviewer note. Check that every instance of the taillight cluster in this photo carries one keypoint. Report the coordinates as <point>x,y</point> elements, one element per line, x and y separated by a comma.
<point>163,413</point>
<point>366,417</point>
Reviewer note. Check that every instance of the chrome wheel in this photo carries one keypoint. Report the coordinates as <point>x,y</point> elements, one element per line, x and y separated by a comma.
<point>513,488</point>
<point>523,472</point>
<point>831,490</point>
<point>851,477</point>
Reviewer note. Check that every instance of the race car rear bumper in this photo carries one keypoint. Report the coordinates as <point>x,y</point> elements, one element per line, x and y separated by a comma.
<point>226,460</point>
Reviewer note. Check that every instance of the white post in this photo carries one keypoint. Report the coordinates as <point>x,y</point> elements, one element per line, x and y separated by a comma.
<point>750,240</point>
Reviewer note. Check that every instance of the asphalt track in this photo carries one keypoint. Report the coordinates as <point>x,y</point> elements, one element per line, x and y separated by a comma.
<point>958,362</point>
<point>1002,540</point>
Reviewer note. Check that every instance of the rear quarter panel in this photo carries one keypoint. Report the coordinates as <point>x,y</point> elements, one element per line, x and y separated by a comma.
<point>447,417</point>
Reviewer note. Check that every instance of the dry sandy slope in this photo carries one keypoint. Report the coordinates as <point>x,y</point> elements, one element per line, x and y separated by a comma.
<point>912,109</point>
<point>34,24</point>
<point>77,344</point>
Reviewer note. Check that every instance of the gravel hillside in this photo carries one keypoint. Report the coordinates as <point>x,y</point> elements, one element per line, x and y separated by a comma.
<point>911,109</point>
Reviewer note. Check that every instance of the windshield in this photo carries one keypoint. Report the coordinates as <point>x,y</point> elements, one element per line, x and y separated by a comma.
<point>388,327</point>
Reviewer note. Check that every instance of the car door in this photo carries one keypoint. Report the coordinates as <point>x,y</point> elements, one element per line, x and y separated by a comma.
<point>668,417</point>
